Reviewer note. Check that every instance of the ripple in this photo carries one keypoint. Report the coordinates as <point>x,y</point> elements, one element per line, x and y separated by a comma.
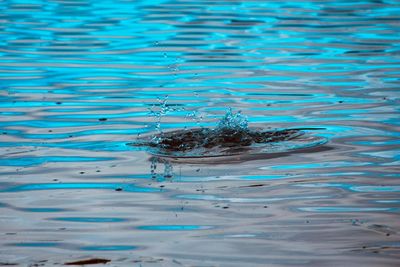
<point>246,200</point>
<point>174,227</point>
<point>57,186</point>
<point>33,161</point>
<point>40,209</point>
<point>35,244</point>
<point>355,188</point>
<point>338,209</point>
<point>89,219</point>
<point>108,248</point>
<point>82,79</point>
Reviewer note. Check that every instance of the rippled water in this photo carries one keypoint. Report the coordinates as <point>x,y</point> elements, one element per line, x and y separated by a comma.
<point>80,80</point>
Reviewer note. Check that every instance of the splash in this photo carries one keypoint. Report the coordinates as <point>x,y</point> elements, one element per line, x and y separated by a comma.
<point>232,136</point>
<point>158,111</point>
<point>235,121</point>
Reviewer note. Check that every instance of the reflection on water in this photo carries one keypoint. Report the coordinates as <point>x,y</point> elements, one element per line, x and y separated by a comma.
<point>118,187</point>
<point>80,80</point>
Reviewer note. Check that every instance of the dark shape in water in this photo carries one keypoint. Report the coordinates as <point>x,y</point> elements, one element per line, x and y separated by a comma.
<point>88,261</point>
<point>231,137</point>
<point>187,140</point>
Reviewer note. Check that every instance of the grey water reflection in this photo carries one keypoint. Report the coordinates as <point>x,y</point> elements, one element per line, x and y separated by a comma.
<point>80,80</point>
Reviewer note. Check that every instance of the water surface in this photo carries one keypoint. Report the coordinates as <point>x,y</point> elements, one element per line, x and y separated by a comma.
<point>80,80</point>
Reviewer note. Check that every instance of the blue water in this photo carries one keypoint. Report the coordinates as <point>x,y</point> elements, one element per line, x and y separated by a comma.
<point>80,80</point>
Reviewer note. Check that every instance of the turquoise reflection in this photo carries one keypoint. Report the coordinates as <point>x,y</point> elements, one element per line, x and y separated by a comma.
<point>96,116</point>
<point>42,209</point>
<point>112,186</point>
<point>174,227</point>
<point>127,131</point>
<point>264,177</point>
<point>89,219</point>
<point>228,177</point>
<point>347,209</point>
<point>108,248</point>
<point>33,161</point>
<point>354,188</point>
<point>89,145</point>
<point>317,165</point>
<point>388,201</point>
<point>370,188</point>
<point>247,200</point>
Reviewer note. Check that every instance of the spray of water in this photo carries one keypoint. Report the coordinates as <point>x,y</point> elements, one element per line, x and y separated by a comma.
<point>158,111</point>
<point>232,135</point>
<point>231,131</point>
<point>233,121</point>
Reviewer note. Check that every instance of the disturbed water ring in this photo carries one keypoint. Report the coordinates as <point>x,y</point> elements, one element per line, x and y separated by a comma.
<point>192,145</point>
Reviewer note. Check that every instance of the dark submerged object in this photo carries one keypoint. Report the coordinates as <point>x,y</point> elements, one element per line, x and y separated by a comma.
<point>88,261</point>
<point>224,138</point>
<point>231,138</point>
<point>199,145</point>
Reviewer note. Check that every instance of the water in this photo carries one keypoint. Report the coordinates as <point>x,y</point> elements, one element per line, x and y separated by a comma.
<point>81,80</point>
<point>231,138</point>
